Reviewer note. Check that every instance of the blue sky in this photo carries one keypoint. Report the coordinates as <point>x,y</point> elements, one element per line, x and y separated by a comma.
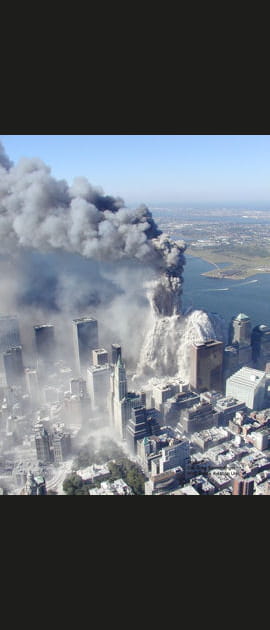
<point>157,168</point>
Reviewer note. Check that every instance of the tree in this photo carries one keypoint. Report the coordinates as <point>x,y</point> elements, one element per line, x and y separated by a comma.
<point>72,483</point>
<point>130,472</point>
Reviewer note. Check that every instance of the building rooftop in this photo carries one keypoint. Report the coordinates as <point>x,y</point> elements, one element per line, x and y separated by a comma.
<point>247,376</point>
<point>207,344</point>
<point>186,490</point>
<point>242,317</point>
<point>84,319</point>
<point>264,328</point>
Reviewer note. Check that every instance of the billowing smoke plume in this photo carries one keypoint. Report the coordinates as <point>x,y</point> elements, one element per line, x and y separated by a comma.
<point>47,226</point>
<point>39,212</point>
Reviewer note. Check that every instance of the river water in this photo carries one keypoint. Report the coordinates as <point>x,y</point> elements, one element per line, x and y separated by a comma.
<point>226,297</point>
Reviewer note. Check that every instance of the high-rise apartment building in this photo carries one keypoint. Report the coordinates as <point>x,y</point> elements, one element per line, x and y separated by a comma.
<point>206,369</point>
<point>85,338</point>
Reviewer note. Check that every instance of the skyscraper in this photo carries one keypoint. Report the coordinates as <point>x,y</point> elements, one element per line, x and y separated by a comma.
<point>78,387</point>
<point>120,379</point>
<point>42,441</point>
<point>240,330</point>
<point>122,401</point>
<point>45,342</point>
<point>98,383</point>
<point>9,332</point>
<point>248,385</point>
<point>116,352</point>
<point>13,365</point>
<point>137,428</point>
<point>260,342</point>
<point>206,371</point>
<point>243,486</point>
<point>32,385</point>
<point>9,336</point>
<point>85,337</point>
<point>100,356</point>
<point>240,337</point>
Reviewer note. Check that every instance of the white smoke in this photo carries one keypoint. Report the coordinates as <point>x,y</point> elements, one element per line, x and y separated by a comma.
<point>43,215</point>
<point>39,212</point>
<point>166,351</point>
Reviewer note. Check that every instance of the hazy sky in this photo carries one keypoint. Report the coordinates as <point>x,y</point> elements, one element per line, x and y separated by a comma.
<point>153,169</point>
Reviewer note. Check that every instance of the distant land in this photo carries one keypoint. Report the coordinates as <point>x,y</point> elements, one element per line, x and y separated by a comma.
<point>239,263</point>
<point>235,240</point>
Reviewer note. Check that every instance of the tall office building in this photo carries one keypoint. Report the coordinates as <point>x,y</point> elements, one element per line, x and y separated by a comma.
<point>42,441</point>
<point>249,386</point>
<point>206,370</point>
<point>120,380</point>
<point>100,356</point>
<point>76,410</point>
<point>78,387</point>
<point>260,342</point>
<point>243,486</point>
<point>116,352</point>
<point>13,366</point>
<point>85,338</point>
<point>61,446</point>
<point>9,336</point>
<point>122,401</point>
<point>230,361</point>
<point>98,384</point>
<point>9,332</point>
<point>45,342</point>
<point>137,428</point>
<point>32,385</point>
<point>240,330</point>
<point>240,337</point>
<point>197,418</point>
<point>174,455</point>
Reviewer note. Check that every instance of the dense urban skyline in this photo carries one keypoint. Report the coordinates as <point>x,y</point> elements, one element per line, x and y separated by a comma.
<point>109,382</point>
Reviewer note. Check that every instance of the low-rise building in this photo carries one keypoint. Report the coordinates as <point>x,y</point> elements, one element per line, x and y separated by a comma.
<point>96,472</point>
<point>220,478</point>
<point>202,485</point>
<point>200,416</point>
<point>209,438</point>
<point>117,487</point>
<point>227,407</point>
<point>165,482</point>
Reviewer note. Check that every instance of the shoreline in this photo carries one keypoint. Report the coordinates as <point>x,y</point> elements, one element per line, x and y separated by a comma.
<point>220,274</point>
